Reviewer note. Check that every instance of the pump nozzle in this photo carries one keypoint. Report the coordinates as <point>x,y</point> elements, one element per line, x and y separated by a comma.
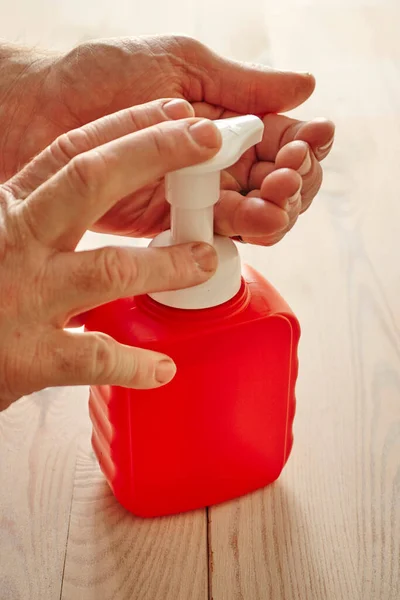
<point>192,193</point>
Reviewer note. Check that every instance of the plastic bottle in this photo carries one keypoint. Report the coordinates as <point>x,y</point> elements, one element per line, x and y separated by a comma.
<point>223,426</point>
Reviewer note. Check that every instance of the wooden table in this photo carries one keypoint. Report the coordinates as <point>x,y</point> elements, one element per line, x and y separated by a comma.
<point>329,529</point>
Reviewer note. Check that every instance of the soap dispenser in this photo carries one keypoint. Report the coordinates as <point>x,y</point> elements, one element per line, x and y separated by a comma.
<point>223,426</point>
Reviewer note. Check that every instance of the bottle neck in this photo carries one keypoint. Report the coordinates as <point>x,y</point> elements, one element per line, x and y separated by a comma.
<point>231,308</point>
<point>188,225</point>
<point>192,199</point>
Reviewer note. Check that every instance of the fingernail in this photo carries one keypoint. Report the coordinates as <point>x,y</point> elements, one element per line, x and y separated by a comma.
<point>326,147</point>
<point>165,371</point>
<point>305,166</point>
<point>205,257</point>
<point>178,109</point>
<point>205,134</point>
<point>294,199</point>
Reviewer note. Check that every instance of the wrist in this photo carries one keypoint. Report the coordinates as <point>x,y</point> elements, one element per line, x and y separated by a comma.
<point>24,74</point>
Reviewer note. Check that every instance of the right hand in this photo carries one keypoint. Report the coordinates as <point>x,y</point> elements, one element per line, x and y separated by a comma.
<point>262,195</point>
<point>45,210</point>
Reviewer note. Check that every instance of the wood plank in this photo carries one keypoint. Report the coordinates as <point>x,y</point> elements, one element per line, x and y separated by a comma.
<point>330,528</point>
<point>112,554</point>
<point>38,442</point>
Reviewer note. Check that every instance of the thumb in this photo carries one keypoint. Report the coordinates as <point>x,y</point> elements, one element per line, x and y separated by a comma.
<point>93,358</point>
<point>249,88</point>
<point>59,357</point>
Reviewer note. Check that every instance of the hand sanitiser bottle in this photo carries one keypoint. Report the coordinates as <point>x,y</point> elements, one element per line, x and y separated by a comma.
<point>223,426</point>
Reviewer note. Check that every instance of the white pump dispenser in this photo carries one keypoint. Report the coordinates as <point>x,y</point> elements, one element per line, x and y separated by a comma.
<point>192,193</point>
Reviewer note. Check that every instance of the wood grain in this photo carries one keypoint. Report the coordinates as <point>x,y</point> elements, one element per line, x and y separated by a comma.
<point>112,554</point>
<point>331,527</point>
<point>38,442</point>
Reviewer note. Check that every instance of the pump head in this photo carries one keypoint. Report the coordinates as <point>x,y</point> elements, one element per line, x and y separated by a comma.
<point>192,193</point>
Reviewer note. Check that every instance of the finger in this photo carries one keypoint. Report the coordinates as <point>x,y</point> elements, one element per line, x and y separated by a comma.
<point>297,156</point>
<point>276,188</point>
<point>259,171</point>
<point>83,280</point>
<point>53,357</point>
<point>262,212</point>
<point>245,88</point>
<point>280,130</point>
<point>272,191</point>
<point>63,208</point>
<point>76,358</point>
<point>209,111</point>
<point>319,135</point>
<point>269,238</point>
<point>282,187</point>
<point>94,134</point>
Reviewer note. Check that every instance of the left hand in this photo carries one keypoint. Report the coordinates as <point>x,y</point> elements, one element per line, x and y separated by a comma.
<point>45,282</point>
<point>279,179</point>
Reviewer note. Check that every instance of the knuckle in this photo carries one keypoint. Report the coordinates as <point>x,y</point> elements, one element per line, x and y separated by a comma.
<point>139,368</point>
<point>160,142</point>
<point>172,143</point>
<point>142,374</point>
<point>174,269</point>
<point>116,268</point>
<point>69,363</point>
<point>69,145</point>
<point>86,173</point>
<point>131,114</point>
<point>141,117</point>
<point>91,360</point>
<point>85,277</point>
<point>169,138</point>
<point>147,115</point>
<point>180,268</point>
<point>188,43</point>
<point>164,267</point>
<point>103,362</point>
<point>64,149</point>
<point>108,268</point>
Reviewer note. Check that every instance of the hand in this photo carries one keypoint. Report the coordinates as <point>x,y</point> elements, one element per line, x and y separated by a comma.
<point>105,76</point>
<point>44,282</point>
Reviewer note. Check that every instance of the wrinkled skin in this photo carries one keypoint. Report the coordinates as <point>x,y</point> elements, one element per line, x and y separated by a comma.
<point>102,77</point>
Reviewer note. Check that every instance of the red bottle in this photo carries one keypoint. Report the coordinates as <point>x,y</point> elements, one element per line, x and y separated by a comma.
<point>223,426</point>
